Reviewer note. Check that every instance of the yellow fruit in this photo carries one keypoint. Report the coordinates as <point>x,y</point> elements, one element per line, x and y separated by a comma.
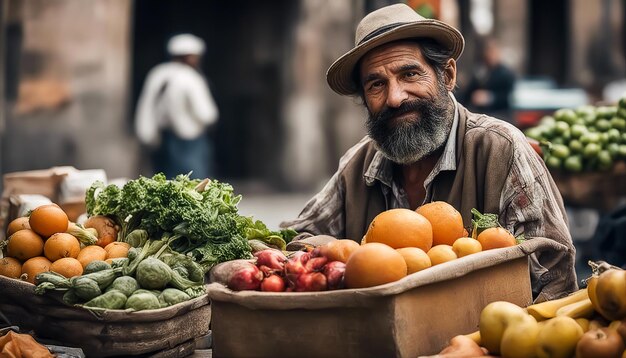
<point>519,339</point>
<point>440,254</point>
<point>446,221</point>
<point>374,264</point>
<point>401,228</point>
<point>466,246</point>
<point>495,319</point>
<point>416,259</point>
<point>547,309</point>
<point>558,338</point>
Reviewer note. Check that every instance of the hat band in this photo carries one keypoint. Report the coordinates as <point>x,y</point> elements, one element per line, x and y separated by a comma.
<point>380,31</point>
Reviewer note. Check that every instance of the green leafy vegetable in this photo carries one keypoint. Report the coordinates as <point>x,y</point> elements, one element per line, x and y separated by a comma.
<point>481,222</point>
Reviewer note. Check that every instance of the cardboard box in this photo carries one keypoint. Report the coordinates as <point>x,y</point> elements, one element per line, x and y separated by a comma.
<point>64,186</point>
<point>414,316</point>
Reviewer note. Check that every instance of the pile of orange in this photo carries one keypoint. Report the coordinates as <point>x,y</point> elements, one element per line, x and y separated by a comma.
<point>39,243</point>
<point>400,242</point>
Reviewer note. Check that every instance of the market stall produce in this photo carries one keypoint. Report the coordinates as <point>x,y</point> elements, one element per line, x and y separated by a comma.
<point>136,264</point>
<point>588,323</point>
<point>585,150</point>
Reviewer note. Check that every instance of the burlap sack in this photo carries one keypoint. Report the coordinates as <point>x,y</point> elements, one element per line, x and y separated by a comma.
<point>103,333</point>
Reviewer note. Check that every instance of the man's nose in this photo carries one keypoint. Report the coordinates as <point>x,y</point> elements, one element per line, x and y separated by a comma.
<point>396,95</point>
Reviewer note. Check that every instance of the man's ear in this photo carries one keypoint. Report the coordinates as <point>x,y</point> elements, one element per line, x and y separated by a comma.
<point>450,74</point>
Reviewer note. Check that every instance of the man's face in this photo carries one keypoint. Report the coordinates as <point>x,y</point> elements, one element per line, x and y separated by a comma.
<point>410,111</point>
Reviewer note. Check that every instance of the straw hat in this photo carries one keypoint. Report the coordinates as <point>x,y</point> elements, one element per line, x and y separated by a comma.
<point>185,44</point>
<point>390,23</point>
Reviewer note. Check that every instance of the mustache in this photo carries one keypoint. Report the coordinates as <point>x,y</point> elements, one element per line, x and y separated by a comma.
<point>416,105</point>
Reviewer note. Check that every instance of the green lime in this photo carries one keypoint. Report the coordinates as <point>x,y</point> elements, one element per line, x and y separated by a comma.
<point>575,146</point>
<point>560,151</point>
<point>578,130</point>
<point>622,151</point>
<point>561,127</point>
<point>558,140</point>
<point>621,112</point>
<point>622,103</point>
<point>534,133</point>
<point>547,120</point>
<point>591,137</point>
<point>565,115</point>
<point>614,135</point>
<point>623,137</point>
<point>573,163</point>
<point>589,121</point>
<point>591,150</point>
<point>618,123</point>
<point>603,125</point>
<point>613,149</point>
<point>604,138</point>
<point>605,161</point>
<point>586,112</point>
<point>553,162</point>
<point>606,112</point>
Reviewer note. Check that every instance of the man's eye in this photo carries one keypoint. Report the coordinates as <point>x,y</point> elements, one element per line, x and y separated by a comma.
<point>410,74</point>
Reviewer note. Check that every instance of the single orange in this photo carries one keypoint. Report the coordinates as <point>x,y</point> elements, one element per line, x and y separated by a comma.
<point>416,259</point>
<point>24,244</point>
<point>117,249</point>
<point>441,253</point>
<point>17,224</point>
<point>67,266</point>
<point>48,219</point>
<point>10,267</point>
<point>374,264</point>
<point>400,228</point>
<point>339,250</point>
<point>446,221</point>
<point>496,237</point>
<point>34,266</point>
<point>464,246</point>
<point>91,253</point>
<point>61,245</point>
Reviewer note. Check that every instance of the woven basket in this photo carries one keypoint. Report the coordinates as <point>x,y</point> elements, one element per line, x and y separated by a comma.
<point>103,333</point>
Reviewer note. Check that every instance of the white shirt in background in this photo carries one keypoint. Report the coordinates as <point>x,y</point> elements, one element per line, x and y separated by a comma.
<point>174,96</point>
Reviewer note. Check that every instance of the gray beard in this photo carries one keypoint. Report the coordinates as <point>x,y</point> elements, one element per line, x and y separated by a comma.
<point>409,141</point>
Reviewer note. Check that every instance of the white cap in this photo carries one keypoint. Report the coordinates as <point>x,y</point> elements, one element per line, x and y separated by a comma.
<point>185,44</point>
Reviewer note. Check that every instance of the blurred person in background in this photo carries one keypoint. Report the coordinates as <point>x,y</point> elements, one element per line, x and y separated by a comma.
<point>491,84</point>
<point>174,110</point>
<point>424,146</point>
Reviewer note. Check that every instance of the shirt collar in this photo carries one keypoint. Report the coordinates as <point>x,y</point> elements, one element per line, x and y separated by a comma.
<point>381,168</point>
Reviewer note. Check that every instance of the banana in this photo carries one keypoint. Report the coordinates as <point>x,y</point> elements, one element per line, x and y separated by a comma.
<point>580,309</point>
<point>546,310</point>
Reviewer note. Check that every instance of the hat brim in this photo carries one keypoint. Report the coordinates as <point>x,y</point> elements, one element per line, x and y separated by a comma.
<point>339,74</point>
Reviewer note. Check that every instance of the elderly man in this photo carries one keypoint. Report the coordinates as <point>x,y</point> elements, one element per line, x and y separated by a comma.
<point>423,146</point>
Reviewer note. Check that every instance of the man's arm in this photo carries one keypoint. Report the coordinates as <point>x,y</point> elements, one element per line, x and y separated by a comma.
<point>324,213</point>
<point>532,205</point>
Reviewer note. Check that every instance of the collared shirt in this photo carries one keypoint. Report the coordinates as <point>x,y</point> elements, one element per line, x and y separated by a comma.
<point>486,163</point>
